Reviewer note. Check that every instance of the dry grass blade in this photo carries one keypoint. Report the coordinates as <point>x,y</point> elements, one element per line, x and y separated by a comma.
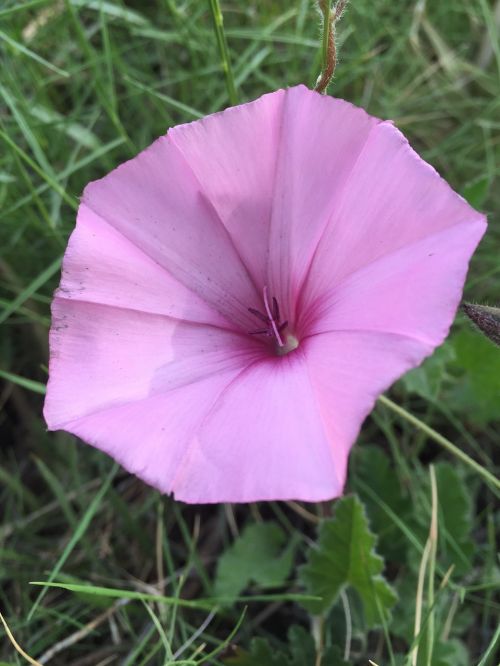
<point>81,633</point>
<point>16,645</point>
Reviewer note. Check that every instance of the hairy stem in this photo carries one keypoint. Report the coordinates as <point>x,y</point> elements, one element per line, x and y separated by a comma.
<point>330,16</point>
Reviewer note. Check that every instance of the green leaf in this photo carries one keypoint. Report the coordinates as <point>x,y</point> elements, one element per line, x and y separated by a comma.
<point>478,394</point>
<point>301,646</point>
<point>451,653</point>
<point>376,482</point>
<point>427,379</point>
<point>258,555</point>
<point>345,556</point>
<point>454,518</point>
<point>476,191</point>
<point>332,656</point>
<point>403,615</point>
<point>455,502</point>
<point>303,650</point>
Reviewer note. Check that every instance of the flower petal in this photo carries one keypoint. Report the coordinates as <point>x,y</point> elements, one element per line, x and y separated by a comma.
<point>321,141</point>
<point>156,202</point>
<point>348,371</point>
<point>101,266</point>
<point>393,199</point>
<point>106,356</point>
<point>263,439</point>
<point>233,155</point>
<point>149,437</point>
<point>204,417</point>
<point>413,291</point>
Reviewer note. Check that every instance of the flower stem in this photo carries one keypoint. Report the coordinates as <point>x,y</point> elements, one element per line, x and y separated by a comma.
<point>330,17</point>
<point>492,481</point>
<point>224,51</point>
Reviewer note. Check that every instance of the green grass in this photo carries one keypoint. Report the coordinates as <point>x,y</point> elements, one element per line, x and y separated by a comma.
<point>84,85</point>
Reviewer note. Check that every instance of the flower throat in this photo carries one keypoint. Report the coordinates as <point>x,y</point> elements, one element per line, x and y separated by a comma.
<point>274,328</point>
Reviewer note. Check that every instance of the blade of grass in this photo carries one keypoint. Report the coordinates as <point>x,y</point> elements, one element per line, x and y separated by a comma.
<point>68,171</point>
<point>206,658</point>
<point>24,382</point>
<point>175,104</point>
<point>169,655</point>
<point>58,491</point>
<point>53,183</point>
<point>16,487</point>
<point>24,126</point>
<point>419,603</point>
<point>393,516</point>
<point>433,538</point>
<point>490,651</point>
<point>93,62</point>
<point>22,6</point>
<point>492,481</point>
<point>131,658</point>
<point>113,10</point>
<point>205,603</point>
<point>77,535</point>
<point>193,637</point>
<point>16,645</point>
<point>223,51</point>
<point>493,31</point>
<point>31,54</point>
<point>26,312</point>
<point>32,288</point>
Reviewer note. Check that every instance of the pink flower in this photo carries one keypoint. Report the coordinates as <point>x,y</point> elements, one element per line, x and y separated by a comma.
<point>235,298</point>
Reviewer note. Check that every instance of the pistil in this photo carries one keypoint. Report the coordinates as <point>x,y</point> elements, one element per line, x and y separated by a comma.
<point>272,316</point>
<point>274,327</point>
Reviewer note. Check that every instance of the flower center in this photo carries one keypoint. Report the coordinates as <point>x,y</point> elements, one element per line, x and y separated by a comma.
<point>274,328</point>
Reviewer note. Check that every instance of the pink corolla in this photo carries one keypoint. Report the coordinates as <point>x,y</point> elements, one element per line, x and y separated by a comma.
<point>235,298</point>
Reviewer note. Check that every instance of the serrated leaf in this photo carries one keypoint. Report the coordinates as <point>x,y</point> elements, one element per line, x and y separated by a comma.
<point>302,646</point>
<point>426,380</point>
<point>376,482</point>
<point>345,556</point>
<point>257,556</point>
<point>303,650</point>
